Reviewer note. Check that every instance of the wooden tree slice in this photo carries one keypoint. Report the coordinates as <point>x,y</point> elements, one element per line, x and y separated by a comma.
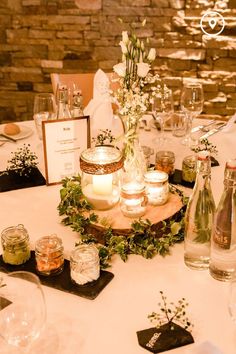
<point>122,224</point>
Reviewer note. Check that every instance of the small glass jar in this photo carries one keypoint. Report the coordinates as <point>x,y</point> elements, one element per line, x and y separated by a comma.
<point>133,200</point>
<point>157,187</point>
<point>148,152</point>
<point>49,255</point>
<point>189,168</point>
<point>84,264</point>
<point>100,179</point>
<point>15,245</point>
<point>165,161</point>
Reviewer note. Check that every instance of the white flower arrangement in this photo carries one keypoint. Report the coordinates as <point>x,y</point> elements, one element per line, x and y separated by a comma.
<point>137,86</point>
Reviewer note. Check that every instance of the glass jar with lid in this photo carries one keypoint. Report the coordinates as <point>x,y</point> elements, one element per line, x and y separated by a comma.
<point>84,264</point>
<point>189,168</point>
<point>49,255</point>
<point>157,187</point>
<point>15,244</point>
<point>100,180</point>
<point>165,161</point>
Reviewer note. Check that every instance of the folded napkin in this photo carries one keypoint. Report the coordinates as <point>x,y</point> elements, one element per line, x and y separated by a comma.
<point>230,124</point>
<point>99,108</point>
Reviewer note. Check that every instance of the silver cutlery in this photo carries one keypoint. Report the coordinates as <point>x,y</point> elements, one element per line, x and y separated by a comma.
<point>202,127</point>
<point>8,137</point>
<point>213,131</point>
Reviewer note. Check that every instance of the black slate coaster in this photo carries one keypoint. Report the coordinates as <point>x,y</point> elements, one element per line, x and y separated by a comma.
<point>63,281</point>
<point>11,180</point>
<point>158,340</point>
<point>176,178</point>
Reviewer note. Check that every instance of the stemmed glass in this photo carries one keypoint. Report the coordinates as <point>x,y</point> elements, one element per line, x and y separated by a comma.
<point>23,319</point>
<point>162,110</point>
<point>44,109</point>
<point>191,101</point>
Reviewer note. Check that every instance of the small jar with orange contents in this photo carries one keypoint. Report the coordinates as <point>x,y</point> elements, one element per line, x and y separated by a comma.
<point>49,255</point>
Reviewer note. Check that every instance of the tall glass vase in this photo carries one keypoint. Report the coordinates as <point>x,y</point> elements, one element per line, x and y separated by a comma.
<point>134,159</point>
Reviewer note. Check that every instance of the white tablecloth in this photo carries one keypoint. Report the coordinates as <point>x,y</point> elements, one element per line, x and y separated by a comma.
<point>109,323</point>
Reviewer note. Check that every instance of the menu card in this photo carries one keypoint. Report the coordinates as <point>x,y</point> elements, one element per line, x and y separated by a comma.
<point>63,141</point>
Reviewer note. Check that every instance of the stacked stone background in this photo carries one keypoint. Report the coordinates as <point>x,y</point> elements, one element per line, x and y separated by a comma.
<point>38,37</point>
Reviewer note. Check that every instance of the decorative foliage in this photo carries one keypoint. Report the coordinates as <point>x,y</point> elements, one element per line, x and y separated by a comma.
<point>23,161</point>
<point>105,137</point>
<point>144,239</point>
<point>137,86</point>
<point>205,145</point>
<point>171,313</point>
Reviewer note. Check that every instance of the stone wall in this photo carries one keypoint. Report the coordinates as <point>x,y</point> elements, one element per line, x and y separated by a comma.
<point>38,37</point>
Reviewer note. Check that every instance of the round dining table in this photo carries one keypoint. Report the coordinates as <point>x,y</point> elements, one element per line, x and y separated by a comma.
<point>108,323</point>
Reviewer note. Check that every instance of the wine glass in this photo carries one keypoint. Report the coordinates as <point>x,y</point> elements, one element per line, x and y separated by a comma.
<point>44,109</point>
<point>23,319</point>
<point>232,299</point>
<point>162,111</point>
<point>191,101</point>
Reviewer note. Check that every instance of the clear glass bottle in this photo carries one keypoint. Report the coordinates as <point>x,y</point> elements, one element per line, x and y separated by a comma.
<point>223,245</point>
<point>77,104</point>
<point>63,111</point>
<point>15,244</point>
<point>199,217</point>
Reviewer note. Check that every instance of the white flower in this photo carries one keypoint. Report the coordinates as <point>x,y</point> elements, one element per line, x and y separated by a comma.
<point>151,54</point>
<point>120,69</point>
<point>143,69</point>
<point>125,37</point>
<point>123,47</point>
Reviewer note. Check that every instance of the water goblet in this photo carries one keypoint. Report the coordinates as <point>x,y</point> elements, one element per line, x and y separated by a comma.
<point>44,109</point>
<point>162,110</point>
<point>22,309</point>
<point>192,99</point>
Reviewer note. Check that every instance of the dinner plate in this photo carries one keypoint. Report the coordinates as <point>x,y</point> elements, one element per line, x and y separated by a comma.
<point>25,132</point>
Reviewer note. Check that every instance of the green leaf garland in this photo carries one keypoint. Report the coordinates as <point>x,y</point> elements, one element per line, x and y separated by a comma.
<point>145,239</point>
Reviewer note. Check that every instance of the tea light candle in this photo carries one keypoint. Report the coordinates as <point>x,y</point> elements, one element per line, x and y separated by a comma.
<point>100,168</point>
<point>133,200</point>
<point>157,187</point>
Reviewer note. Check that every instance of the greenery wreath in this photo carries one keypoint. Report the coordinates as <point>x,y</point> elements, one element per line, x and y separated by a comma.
<point>144,239</point>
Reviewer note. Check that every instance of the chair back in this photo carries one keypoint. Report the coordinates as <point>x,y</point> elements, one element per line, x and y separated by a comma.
<point>83,81</point>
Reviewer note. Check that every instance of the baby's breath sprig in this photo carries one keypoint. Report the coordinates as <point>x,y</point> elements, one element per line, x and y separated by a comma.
<point>205,145</point>
<point>23,161</point>
<point>171,313</point>
<point>105,137</point>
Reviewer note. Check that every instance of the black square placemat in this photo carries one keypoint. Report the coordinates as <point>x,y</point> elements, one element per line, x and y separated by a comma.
<point>176,178</point>
<point>63,281</point>
<point>11,180</point>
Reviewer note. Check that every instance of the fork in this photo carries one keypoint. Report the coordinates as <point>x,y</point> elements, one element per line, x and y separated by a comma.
<point>8,138</point>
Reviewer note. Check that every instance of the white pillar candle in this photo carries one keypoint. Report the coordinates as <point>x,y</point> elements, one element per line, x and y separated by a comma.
<point>102,184</point>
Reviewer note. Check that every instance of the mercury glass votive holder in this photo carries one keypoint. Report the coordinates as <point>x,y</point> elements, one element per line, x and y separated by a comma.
<point>100,178</point>
<point>157,187</point>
